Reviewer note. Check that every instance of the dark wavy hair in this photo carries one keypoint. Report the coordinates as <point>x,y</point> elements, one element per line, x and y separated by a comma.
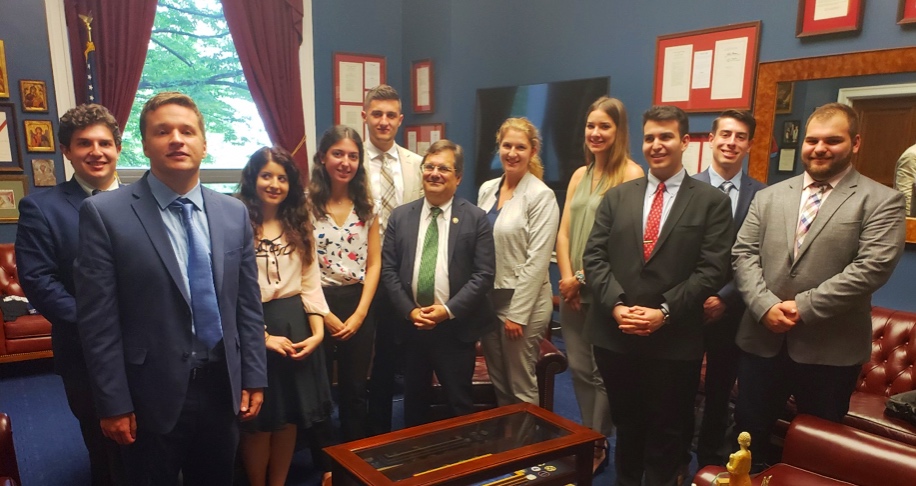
<point>293,211</point>
<point>320,183</point>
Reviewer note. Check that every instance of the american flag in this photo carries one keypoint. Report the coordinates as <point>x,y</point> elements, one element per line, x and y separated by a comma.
<point>92,73</point>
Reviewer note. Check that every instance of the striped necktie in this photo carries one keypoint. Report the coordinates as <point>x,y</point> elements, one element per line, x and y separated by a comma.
<point>387,187</point>
<point>809,212</point>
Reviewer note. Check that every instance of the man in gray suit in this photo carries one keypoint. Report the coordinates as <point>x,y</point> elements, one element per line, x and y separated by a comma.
<point>394,174</point>
<point>731,136</point>
<point>811,252</point>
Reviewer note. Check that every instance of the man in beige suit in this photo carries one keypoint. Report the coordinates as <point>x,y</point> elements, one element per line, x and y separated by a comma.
<point>394,174</point>
<point>810,254</point>
<point>905,176</point>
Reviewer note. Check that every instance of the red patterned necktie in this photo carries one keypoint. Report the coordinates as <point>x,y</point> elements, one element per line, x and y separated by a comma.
<point>653,222</point>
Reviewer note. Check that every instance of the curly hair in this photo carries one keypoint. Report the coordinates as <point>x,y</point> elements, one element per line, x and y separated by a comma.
<point>293,211</point>
<point>320,183</point>
<point>84,116</point>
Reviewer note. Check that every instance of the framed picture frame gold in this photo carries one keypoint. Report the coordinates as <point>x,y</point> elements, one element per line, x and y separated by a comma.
<point>34,95</point>
<point>39,136</point>
<point>12,189</point>
<point>4,74</point>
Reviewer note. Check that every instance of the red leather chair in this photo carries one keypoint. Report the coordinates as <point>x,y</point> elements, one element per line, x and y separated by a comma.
<point>818,452</point>
<point>9,468</point>
<point>29,336</point>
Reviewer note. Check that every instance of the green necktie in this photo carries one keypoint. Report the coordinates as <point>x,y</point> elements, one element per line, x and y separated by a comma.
<point>426,281</point>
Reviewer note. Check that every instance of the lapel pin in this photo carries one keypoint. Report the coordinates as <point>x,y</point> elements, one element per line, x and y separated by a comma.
<point>454,220</point>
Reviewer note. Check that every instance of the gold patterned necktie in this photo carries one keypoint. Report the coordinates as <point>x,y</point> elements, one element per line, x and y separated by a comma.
<point>426,280</point>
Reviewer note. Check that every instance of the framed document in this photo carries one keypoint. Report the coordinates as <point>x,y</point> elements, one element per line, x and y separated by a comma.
<point>10,158</point>
<point>707,70</point>
<point>418,138</point>
<point>906,12</point>
<point>817,17</point>
<point>421,86</point>
<point>354,74</point>
<point>12,189</point>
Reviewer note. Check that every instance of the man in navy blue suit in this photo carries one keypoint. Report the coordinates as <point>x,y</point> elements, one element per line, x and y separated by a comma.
<point>438,265</point>
<point>731,136</point>
<point>171,375</point>
<point>46,243</point>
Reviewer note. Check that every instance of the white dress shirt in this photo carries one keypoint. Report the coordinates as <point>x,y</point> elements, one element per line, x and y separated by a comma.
<point>716,181</point>
<point>441,294</point>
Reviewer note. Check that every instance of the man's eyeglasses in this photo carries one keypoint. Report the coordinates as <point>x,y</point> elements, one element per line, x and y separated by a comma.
<point>443,169</point>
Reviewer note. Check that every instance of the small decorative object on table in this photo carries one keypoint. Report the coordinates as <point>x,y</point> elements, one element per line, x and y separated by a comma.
<point>739,465</point>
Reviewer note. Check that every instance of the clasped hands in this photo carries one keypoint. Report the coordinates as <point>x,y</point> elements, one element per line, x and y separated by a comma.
<point>297,351</point>
<point>638,320</point>
<point>426,318</point>
<point>782,317</point>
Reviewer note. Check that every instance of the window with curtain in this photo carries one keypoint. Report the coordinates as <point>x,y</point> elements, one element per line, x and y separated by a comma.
<point>191,51</point>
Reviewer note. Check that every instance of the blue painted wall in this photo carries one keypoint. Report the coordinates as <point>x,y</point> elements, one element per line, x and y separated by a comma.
<point>23,30</point>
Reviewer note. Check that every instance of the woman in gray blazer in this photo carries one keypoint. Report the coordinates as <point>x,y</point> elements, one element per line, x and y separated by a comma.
<point>525,217</point>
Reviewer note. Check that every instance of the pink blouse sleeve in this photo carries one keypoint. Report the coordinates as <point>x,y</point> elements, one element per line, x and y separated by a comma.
<point>312,295</point>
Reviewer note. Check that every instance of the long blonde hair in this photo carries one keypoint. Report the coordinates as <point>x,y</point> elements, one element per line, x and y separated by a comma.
<point>620,150</point>
<point>522,124</point>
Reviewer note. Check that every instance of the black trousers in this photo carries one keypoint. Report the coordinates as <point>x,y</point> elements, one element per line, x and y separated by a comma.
<point>453,362</point>
<point>721,374</point>
<point>651,405</point>
<point>766,383</point>
<point>353,358</point>
<point>203,444</point>
<point>105,463</point>
<point>389,356</point>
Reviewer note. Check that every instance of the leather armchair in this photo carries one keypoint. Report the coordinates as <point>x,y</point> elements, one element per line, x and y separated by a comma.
<point>29,336</point>
<point>819,452</point>
<point>9,468</point>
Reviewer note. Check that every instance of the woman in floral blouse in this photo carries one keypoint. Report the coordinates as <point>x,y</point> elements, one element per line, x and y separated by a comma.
<point>349,257</point>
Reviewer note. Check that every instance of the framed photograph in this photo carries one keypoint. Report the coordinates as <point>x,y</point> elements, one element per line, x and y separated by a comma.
<point>906,12</point>
<point>790,132</point>
<point>12,189</point>
<point>4,75</point>
<point>34,95</point>
<point>421,85</point>
<point>818,17</point>
<point>39,136</point>
<point>785,92</point>
<point>10,157</point>
<point>707,70</point>
<point>43,173</point>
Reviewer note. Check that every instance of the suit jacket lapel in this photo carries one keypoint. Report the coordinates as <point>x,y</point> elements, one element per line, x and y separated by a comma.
<point>744,199</point>
<point>632,217</point>
<point>147,210</point>
<point>681,201</point>
<point>411,233</point>
<point>454,226</point>
<point>215,213</point>
<point>838,196</point>
<point>74,193</point>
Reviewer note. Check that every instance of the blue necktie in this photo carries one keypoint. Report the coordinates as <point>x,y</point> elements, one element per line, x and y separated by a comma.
<point>204,305</point>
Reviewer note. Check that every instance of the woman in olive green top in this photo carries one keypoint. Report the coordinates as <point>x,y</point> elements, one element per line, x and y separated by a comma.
<point>608,164</point>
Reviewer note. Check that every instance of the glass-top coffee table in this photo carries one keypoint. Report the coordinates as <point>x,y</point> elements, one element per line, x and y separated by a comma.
<point>517,444</point>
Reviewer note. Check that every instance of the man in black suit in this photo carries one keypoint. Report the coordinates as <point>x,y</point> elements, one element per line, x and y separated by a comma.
<point>438,265</point>
<point>46,243</point>
<point>731,136</point>
<point>659,247</point>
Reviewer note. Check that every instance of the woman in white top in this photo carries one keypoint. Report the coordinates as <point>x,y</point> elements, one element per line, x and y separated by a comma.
<point>349,256</point>
<point>524,214</point>
<point>298,394</point>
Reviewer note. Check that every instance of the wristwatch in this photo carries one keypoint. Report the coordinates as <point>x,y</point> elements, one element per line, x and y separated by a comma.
<point>580,277</point>
<point>666,316</point>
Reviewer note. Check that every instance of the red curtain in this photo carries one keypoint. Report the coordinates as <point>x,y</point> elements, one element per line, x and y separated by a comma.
<point>121,32</point>
<point>267,35</point>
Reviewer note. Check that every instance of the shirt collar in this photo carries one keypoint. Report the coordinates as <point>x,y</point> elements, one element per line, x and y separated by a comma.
<point>374,151</point>
<point>672,184</point>
<point>444,207</point>
<point>88,188</point>
<point>165,196</point>
<point>716,180</point>
<point>833,181</point>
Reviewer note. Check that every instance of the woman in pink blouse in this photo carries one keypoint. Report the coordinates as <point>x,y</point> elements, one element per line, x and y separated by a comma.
<point>298,393</point>
<point>349,256</point>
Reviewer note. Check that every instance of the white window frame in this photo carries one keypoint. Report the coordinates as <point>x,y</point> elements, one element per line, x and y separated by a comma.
<point>64,90</point>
